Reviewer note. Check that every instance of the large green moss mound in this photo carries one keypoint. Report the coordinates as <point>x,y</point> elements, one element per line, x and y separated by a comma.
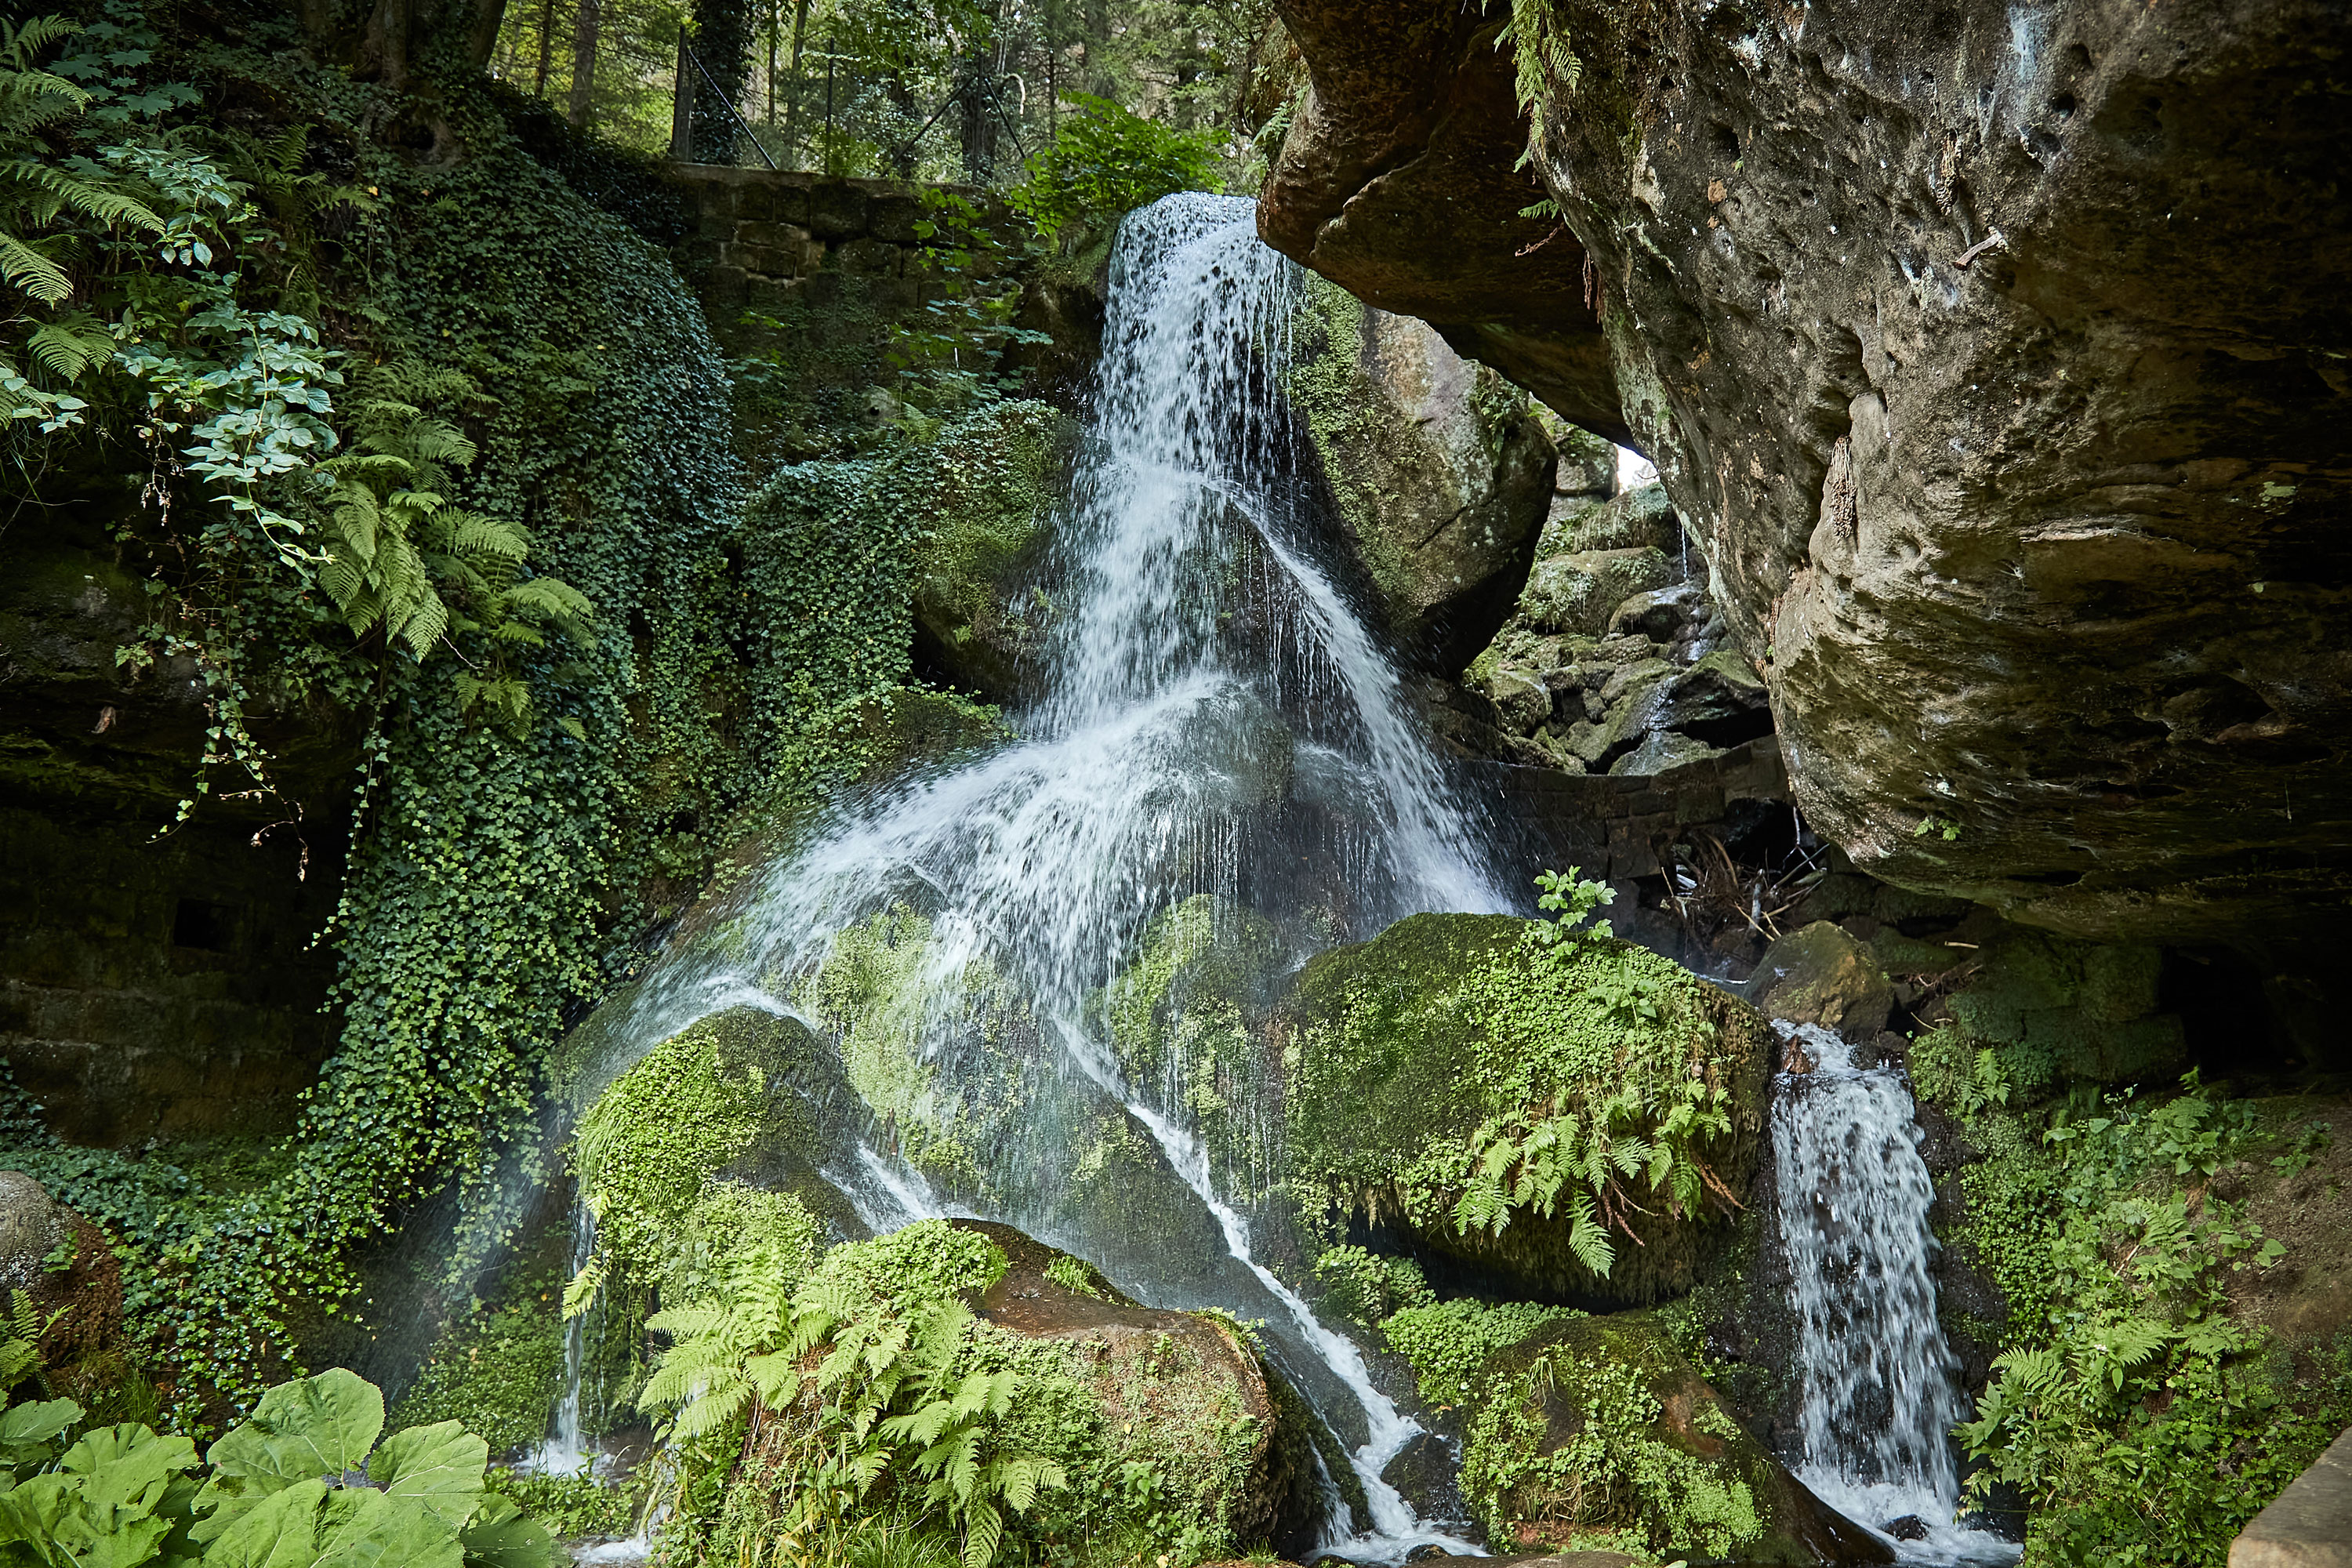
<point>1446,1076</point>
<point>1585,1431</point>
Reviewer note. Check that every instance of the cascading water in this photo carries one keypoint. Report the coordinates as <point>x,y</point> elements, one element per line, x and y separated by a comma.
<point>1880,1389</point>
<point>1216,721</point>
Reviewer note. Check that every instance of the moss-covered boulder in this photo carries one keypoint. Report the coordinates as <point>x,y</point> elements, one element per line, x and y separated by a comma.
<point>708,1141</point>
<point>1142,1433</point>
<point>1184,1391</point>
<point>1447,1074</point>
<point>1821,974</point>
<point>1599,1431</point>
<point>1578,592</point>
<point>1440,470</point>
<point>992,496</point>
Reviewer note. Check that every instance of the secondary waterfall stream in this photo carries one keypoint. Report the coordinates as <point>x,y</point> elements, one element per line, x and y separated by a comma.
<point>1880,1387</point>
<point>1218,730</point>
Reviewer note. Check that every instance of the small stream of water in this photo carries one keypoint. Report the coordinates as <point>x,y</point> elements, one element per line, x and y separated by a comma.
<point>1880,1385</point>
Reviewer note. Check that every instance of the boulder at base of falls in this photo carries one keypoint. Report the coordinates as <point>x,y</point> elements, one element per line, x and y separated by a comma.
<point>1436,1076</point>
<point>1158,1434</point>
<point>1584,1427</point>
<point>1183,1389</point>
<point>1441,473</point>
<point>1822,975</point>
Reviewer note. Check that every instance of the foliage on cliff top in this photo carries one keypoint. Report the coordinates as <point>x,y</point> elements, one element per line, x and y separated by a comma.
<point>1103,161</point>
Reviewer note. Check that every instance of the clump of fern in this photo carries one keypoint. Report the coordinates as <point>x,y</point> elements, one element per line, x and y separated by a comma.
<point>35,189</point>
<point>405,564</point>
<point>843,1385</point>
<point>1543,62</point>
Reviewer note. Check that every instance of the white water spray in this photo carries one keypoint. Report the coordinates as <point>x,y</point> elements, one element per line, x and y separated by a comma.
<point>1880,1385</point>
<point>1171,756</point>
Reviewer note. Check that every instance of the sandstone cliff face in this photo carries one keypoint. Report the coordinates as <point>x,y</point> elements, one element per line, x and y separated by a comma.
<point>1996,358</point>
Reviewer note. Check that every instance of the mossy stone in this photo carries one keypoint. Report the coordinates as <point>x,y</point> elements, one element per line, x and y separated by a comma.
<point>1592,1424</point>
<point>2093,1010</point>
<point>1822,975</point>
<point>1397,1050</point>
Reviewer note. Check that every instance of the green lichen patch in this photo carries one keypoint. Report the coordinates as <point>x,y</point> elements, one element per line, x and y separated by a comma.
<point>1185,1015</point>
<point>1515,1097</point>
<point>1587,1431</point>
<point>1199,966</point>
<point>659,1133</point>
<point>890,996</point>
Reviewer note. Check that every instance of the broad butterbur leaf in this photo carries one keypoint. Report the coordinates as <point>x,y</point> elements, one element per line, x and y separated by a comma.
<point>439,1465</point>
<point>321,1425</point>
<point>501,1537</point>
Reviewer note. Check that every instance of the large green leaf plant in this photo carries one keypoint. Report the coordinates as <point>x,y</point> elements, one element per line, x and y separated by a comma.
<point>302,1481</point>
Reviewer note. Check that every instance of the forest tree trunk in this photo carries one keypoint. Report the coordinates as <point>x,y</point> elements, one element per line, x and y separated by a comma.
<point>584,26</point>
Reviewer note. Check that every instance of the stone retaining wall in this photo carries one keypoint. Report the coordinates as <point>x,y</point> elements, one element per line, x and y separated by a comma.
<point>765,239</point>
<point>1612,826</point>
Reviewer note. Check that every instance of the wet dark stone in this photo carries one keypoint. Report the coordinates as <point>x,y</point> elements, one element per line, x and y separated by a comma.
<point>1910,1527</point>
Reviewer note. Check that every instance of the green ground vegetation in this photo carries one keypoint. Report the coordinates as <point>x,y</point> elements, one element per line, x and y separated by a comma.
<point>1584,1432</point>
<point>2143,1420</point>
<point>864,1395</point>
<point>283,1485</point>
<point>1469,1074</point>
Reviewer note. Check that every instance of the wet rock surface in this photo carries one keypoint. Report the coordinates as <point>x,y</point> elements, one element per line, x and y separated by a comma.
<point>1612,659</point>
<point>1130,1345</point>
<point>1995,366</point>
<point>1440,473</point>
<point>1399,179</point>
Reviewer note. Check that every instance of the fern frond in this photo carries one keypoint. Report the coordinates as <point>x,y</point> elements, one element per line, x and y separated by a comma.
<point>33,272</point>
<point>1586,1238</point>
<point>95,202</point>
<point>983,1530</point>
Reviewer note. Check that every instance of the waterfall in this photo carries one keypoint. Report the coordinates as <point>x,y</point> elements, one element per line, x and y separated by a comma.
<point>1216,719</point>
<point>1879,1385</point>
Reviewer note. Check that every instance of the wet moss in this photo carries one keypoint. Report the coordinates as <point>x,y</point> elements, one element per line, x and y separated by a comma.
<point>497,1369</point>
<point>1599,1432</point>
<point>1400,1053</point>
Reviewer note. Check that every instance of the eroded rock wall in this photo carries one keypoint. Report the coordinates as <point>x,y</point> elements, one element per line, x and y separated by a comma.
<point>1996,360</point>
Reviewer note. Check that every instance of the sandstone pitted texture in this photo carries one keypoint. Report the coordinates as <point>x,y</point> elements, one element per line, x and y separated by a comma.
<point>1996,360</point>
<point>1399,180</point>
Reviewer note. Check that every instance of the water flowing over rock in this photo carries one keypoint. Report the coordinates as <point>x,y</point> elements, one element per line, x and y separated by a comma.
<point>1996,366</point>
<point>966,943</point>
<point>1880,1392</point>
